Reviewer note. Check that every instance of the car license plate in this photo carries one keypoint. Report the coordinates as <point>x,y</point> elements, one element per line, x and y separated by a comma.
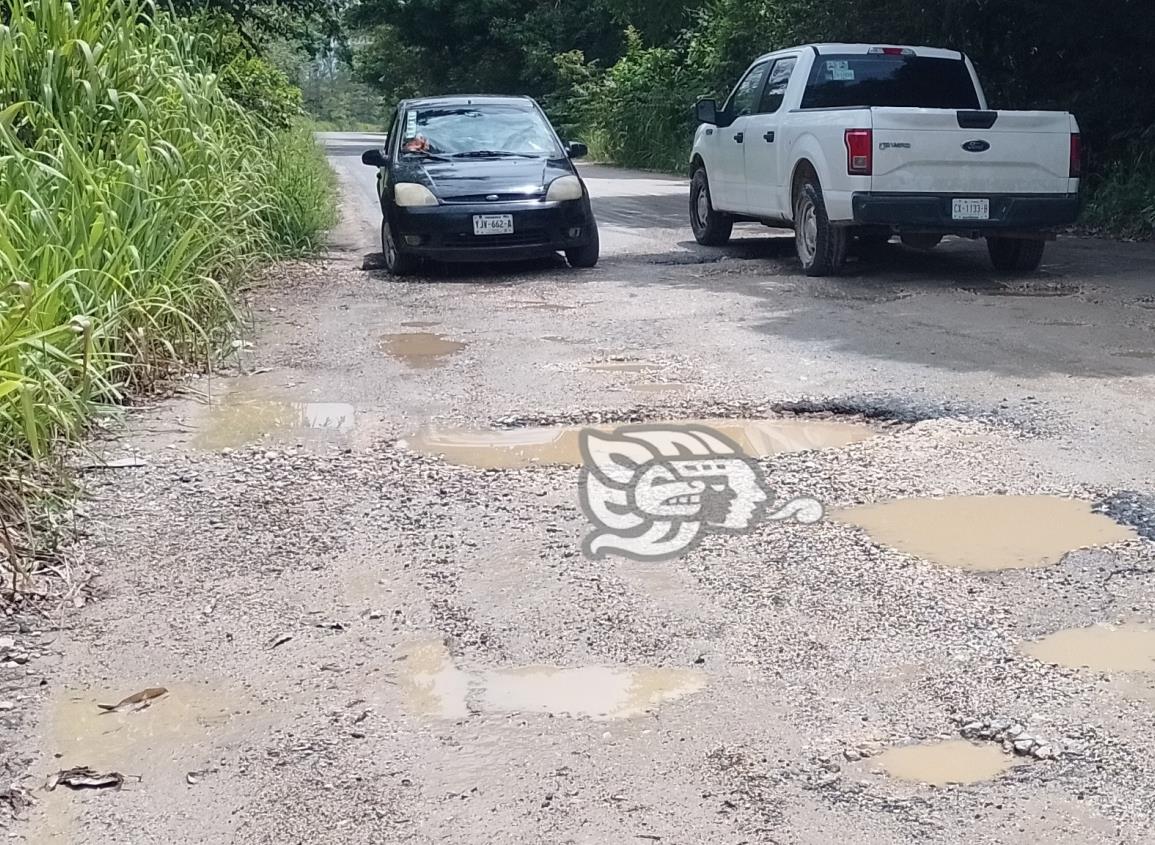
<point>493,224</point>
<point>977,209</point>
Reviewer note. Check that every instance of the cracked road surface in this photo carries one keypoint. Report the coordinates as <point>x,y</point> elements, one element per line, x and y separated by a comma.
<point>361,583</point>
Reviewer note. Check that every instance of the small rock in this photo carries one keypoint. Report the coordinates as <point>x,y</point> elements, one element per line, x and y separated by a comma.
<point>1043,752</point>
<point>971,728</point>
<point>1022,746</point>
<point>6,706</point>
<point>852,754</point>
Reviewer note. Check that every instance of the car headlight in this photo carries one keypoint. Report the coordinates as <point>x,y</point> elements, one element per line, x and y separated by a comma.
<point>565,188</point>
<point>410,194</point>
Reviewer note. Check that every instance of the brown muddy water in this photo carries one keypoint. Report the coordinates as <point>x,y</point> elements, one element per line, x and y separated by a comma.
<point>420,350</point>
<point>1107,648</point>
<point>434,687</point>
<point>986,533</point>
<point>521,447</point>
<point>941,763</point>
<point>238,421</point>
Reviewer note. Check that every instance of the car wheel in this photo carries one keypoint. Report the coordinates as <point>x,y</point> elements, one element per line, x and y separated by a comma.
<point>585,256</point>
<point>1015,255</point>
<point>821,246</point>
<point>711,228</point>
<point>920,241</point>
<point>396,262</point>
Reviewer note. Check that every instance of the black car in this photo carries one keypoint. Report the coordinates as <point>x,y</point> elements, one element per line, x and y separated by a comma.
<point>480,178</point>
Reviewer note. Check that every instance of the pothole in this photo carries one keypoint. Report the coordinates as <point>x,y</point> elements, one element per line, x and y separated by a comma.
<point>986,533</point>
<point>1107,648</point>
<point>420,324</point>
<point>1131,508</point>
<point>541,305</point>
<point>1134,353</point>
<point>237,421</point>
<point>434,687</point>
<point>622,366</point>
<point>954,761</point>
<point>420,350</point>
<point>993,288</point>
<point>688,258</point>
<point>521,447</point>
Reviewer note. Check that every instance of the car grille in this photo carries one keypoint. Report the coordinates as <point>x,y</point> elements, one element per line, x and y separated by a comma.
<point>525,237</point>
<point>484,199</point>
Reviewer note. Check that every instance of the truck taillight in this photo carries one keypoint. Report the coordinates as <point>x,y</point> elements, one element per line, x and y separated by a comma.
<point>859,144</point>
<point>1076,155</point>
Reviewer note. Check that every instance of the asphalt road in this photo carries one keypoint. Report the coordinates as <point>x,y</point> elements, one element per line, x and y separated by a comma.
<point>370,607</point>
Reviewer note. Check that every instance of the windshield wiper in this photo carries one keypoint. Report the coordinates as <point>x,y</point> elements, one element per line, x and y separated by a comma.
<point>492,154</point>
<point>425,154</point>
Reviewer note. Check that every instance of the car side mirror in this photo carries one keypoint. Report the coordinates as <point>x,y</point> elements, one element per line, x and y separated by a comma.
<point>706,110</point>
<point>576,149</point>
<point>375,158</point>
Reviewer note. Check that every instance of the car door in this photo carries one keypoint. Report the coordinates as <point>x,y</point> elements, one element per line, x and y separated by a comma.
<point>728,176</point>
<point>762,162</point>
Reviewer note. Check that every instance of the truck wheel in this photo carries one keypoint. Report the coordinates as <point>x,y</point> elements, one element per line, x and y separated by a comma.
<point>711,228</point>
<point>396,262</point>
<point>919,241</point>
<point>1015,255</point>
<point>821,246</point>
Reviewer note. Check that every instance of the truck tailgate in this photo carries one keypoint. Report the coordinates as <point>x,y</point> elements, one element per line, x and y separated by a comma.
<point>927,151</point>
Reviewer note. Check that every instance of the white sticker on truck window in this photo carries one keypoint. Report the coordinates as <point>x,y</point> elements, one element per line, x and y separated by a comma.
<point>838,70</point>
<point>410,124</point>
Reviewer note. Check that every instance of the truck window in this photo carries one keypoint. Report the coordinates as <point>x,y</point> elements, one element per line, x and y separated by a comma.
<point>776,82</point>
<point>745,94</point>
<point>919,82</point>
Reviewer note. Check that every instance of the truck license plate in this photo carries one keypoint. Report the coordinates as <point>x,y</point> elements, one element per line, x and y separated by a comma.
<point>976,209</point>
<point>493,224</point>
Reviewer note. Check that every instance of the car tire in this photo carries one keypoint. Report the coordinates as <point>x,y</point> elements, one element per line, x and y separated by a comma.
<point>711,228</point>
<point>1015,255</point>
<point>397,263</point>
<point>920,241</point>
<point>581,257</point>
<point>821,246</point>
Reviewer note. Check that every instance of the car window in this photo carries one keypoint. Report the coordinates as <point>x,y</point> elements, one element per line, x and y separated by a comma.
<point>889,80</point>
<point>745,94</point>
<point>479,128</point>
<point>776,82</point>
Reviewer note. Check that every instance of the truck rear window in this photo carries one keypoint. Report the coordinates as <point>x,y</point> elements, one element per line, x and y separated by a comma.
<point>920,82</point>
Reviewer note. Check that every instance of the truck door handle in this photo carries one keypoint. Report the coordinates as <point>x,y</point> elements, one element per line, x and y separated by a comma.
<point>769,136</point>
<point>739,136</point>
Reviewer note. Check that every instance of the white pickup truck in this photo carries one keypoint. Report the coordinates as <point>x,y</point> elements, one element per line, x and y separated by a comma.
<point>855,143</point>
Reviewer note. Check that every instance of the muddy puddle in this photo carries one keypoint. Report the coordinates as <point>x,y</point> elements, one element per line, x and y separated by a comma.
<point>986,533</point>
<point>1107,648</point>
<point>184,730</point>
<point>942,763</point>
<point>420,324</point>
<point>521,447</point>
<point>420,350</point>
<point>434,687</point>
<point>238,421</point>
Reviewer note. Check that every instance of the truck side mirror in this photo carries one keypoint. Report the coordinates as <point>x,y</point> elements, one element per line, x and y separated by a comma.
<point>706,110</point>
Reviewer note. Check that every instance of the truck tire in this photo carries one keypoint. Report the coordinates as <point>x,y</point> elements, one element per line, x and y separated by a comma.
<point>1015,255</point>
<point>711,228</point>
<point>821,246</point>
<point>920,241</point>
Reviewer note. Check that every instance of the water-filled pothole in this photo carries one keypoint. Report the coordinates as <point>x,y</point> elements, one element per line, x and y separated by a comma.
<point>420,324</point>
<point>434,687</point>
<point>1122,648</point>
<point>520,447</point>
<point>420,350</point>
<point>942,763</point>
<point>239,421</point>
<point>986,533</point>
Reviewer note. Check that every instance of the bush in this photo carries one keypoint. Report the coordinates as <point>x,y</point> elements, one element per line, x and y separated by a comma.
<point>135,193</point>
<point>1122,201</point>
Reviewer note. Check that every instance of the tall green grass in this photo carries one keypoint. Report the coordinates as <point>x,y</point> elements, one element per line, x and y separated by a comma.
<point>1121,201</point>
<point>133,195</point>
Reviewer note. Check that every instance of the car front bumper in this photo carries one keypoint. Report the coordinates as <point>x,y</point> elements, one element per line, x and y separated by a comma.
<point>445,232</point>
<point>932,212</point>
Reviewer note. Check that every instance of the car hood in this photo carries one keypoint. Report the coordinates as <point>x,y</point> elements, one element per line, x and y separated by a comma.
<point>505,178</point>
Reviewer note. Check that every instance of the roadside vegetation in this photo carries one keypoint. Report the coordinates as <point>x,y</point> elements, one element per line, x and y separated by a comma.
<point>146,163</point>
<point>624,74</point>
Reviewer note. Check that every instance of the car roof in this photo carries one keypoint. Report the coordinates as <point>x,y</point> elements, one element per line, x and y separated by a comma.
<point>862,48</point>
<point>470,99</point>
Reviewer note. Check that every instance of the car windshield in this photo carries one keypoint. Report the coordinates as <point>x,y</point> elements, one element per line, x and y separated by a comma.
<point>919,82</point>
<point>478,131</point>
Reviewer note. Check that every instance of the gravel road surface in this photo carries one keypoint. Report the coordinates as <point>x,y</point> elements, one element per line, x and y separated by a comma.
<point>353,560</point>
